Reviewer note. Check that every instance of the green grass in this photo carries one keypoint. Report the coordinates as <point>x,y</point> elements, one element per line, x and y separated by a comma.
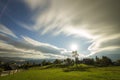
<point>92,73</point>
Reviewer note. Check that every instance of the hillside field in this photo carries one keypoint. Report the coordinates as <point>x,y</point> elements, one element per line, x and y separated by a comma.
<point>93,73</point>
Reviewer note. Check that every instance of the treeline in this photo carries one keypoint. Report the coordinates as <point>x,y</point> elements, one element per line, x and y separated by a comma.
<point>100,62</point>
<point>104,61</point>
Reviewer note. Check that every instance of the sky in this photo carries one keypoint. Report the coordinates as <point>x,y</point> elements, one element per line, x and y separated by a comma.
<point>47,29</point>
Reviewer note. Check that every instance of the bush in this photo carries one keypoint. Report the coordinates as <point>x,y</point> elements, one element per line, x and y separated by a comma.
<point>81,67</point>
<point>1,70</point>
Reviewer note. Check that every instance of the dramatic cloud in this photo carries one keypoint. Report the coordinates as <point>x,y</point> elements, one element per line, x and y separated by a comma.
<point>44,47</point>
<point>7,31</point>
<point>94,23</point>
<point>93,19</point>
<point>27,48</point>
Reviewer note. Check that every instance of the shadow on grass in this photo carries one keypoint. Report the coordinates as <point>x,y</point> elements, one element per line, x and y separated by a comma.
<point>53,66</point>
<point>76,68</point>
<point>66,68</point>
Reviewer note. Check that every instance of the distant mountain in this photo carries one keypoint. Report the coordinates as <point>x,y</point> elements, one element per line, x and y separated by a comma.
<point>8,59</point>
<point>23,60</point>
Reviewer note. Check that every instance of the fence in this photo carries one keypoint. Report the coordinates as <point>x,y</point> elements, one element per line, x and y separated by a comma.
<point>4,73</point>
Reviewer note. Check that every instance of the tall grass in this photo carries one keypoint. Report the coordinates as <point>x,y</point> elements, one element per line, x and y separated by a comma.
<point>92,73</point>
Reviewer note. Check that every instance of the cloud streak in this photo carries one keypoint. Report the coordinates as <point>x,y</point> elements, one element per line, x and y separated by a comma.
<point>27,48</point>
<point>7,31</point>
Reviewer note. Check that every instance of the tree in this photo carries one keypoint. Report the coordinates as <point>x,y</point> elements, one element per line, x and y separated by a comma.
<point>75,55</point>
<point>104,61</point>
<point>1,70</point>
<point>88,61</point>
<point>57,61</point>
<point>7,66</point>
<point>117,63</point>
<point>69,61</point>
<point>43,62</point>
<point>26,65</point>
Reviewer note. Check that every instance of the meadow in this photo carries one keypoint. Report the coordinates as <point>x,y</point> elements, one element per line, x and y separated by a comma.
<point>89,73</point>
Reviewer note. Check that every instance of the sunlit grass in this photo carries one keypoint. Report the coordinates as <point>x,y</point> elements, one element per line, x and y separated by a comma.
<point>92,73</point>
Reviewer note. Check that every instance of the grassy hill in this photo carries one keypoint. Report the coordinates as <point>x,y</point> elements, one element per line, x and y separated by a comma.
<point>92,73</point>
